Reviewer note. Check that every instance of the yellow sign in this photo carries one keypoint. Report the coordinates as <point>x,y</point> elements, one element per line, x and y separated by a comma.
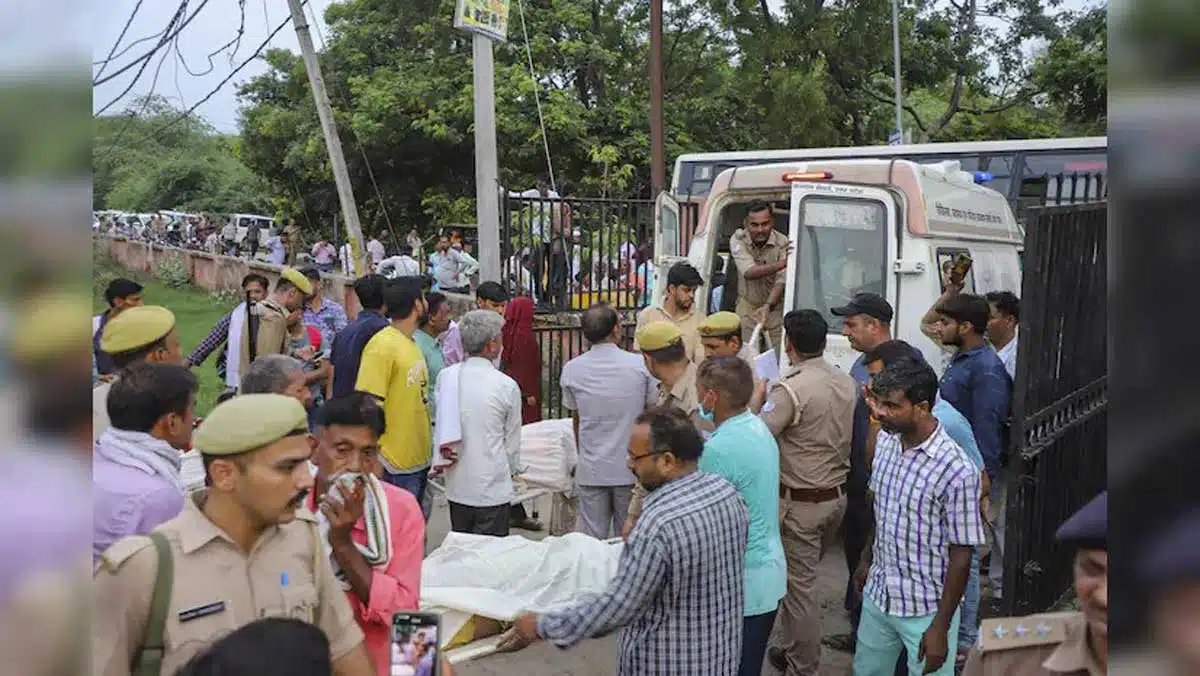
<point>486,17</point>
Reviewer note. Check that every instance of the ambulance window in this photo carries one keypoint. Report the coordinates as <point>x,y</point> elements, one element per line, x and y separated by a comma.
<point>840,252</point>
<point>945,258</point>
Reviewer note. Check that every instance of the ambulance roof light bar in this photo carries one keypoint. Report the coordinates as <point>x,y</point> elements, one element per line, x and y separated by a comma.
<point>794,176</point>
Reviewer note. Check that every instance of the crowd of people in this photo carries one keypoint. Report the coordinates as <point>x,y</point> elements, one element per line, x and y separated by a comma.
<point>314,473</point>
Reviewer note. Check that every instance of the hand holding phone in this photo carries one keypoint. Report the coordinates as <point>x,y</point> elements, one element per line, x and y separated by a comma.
<point>415,644</point>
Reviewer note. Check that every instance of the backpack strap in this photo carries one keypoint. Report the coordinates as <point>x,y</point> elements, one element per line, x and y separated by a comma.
<point>150,655</point>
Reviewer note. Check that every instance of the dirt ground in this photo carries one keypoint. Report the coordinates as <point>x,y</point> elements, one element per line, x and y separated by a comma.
<point>598,657</point>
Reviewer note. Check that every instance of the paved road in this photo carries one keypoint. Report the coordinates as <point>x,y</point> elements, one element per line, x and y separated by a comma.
<point>598,657</point>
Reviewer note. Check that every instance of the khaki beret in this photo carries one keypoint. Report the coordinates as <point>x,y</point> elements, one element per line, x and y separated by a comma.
<point>248,422</point>
<point>49,327</point>
<point>136,328</point>
<point>657,335</point>
<point>720,324</point>
<point>298,279</point>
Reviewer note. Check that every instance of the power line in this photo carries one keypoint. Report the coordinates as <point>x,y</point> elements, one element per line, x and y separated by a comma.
<point>124,30</point>
<point>184,115</point>
<point>149,55</point>
<point>235,42</point>
<point>145,104</point>
<point>358,141</point>
<point>167,37</point>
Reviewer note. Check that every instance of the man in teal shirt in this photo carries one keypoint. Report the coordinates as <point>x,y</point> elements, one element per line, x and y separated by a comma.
<point>743,451</point>
<point>432,325</point>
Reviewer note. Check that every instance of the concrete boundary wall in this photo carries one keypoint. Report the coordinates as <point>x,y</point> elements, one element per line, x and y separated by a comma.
<point>215,273</point>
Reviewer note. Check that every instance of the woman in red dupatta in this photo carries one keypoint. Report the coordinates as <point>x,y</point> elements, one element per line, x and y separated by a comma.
<point>521,360</point>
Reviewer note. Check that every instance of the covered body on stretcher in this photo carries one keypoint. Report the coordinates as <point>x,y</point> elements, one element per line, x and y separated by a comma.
<point>479,583</point>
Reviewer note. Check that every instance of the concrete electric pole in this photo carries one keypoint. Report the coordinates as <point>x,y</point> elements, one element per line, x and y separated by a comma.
<point>658,150</point>
<point>487,180</point>
<point>341,175</point>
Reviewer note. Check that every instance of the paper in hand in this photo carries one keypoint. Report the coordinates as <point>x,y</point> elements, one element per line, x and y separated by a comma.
<point>766,366</point>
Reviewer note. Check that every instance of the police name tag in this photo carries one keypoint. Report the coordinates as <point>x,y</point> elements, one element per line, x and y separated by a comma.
<point>201,611</point>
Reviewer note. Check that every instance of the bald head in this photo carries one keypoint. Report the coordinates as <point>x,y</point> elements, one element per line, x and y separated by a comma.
<point>598,323</point>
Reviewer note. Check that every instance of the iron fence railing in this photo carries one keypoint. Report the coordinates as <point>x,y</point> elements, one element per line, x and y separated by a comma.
<point>1059,433</point>
<point>559,341</point>
<point>567,254</point>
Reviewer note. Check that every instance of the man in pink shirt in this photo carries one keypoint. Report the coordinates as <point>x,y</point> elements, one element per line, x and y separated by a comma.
<point>374,533</point>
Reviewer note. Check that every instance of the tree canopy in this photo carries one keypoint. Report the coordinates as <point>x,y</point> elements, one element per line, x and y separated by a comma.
<point>739,75</point>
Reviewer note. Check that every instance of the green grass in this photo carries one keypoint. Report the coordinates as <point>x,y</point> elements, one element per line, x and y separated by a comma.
<point>196,311</point>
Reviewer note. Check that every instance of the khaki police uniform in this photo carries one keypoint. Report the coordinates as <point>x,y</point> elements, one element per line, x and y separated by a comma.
<point>1054,643</point>
<point>688,324</point>
<point>811,413</point>
<point>216,587</point>
<point>725,325</point>
<point>753,294</point>
<point>129,331</point>
<point>682,395</point>
<point>272,334</point>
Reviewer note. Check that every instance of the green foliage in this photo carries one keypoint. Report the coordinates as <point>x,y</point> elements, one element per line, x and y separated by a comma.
<point>173,271</point>
<point>141,164</point>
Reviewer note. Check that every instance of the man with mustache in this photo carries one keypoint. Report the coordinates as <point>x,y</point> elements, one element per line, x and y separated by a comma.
<point>1072,643</point>
<point>240,550</point>
<point>373,532</point>
<point>679,308</point>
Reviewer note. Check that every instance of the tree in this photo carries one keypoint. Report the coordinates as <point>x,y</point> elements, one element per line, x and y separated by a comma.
<point>152,158</point>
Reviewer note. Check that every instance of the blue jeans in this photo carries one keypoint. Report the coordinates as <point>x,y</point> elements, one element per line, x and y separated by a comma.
<point>415,483</point>
<point>968,610</point>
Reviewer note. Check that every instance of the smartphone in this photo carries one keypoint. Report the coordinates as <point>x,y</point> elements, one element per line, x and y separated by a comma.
<point>415,638</point>
<point>962,265</point>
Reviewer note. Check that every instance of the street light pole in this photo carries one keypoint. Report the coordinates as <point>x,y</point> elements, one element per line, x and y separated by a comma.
<point>896,65</point>
<point>487,195</point>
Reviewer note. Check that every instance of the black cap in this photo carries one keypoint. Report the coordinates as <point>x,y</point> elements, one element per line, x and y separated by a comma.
<point>1174,555</point>
<point>683,274</point>
<point>869,304</point>
<point>1087,528</point>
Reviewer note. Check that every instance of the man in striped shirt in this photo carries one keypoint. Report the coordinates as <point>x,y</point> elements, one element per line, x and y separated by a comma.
<point>678,591</point>
<point>924,494</point>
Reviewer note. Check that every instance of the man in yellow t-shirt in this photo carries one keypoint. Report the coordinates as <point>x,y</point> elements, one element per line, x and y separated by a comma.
<point>394,371</point>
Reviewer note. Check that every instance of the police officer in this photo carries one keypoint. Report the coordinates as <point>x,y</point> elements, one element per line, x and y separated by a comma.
<point>662,347</point>
<point>679,308</point>
<point>810,411</point>
<point>721,336</point>
<point>761,255</point>
<point>142,333</point>
<point>1057,643</point>
<point>239,551</point>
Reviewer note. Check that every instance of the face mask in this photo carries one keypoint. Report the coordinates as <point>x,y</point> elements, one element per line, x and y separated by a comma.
<point>705,414</point>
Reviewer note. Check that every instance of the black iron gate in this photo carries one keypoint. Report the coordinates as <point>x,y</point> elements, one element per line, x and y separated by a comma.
<point>1060,417</point>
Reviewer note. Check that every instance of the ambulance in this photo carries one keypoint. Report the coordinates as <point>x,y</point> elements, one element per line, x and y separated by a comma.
<point>888,226</point>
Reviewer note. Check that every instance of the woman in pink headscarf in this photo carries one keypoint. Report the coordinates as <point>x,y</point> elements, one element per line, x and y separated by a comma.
<point>521,360</point>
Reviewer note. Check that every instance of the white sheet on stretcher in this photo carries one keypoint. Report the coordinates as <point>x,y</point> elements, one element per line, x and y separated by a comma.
<point>500,578</point>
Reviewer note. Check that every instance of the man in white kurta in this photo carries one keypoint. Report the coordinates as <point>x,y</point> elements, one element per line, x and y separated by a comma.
<point>479,484</point>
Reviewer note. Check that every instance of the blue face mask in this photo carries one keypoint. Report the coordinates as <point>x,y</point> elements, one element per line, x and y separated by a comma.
<point>705,414</point>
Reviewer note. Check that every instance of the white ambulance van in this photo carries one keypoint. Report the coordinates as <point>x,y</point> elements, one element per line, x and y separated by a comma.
<point>886,226</point>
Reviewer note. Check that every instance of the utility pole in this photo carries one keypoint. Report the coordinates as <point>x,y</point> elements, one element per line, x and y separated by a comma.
<point>341,175</point>
<point>487,180</point>
<point>896,65</point>
<point>658,150</point>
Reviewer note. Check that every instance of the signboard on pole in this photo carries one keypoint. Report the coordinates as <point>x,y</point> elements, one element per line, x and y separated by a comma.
<point>488,18</point>
<point>895,138</point>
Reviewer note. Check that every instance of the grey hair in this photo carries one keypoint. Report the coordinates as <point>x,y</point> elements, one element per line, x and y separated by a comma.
<point>270,374</point>
<point>478,328</point>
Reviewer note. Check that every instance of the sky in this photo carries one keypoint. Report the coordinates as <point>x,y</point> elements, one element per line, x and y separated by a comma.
<point>100,24</point>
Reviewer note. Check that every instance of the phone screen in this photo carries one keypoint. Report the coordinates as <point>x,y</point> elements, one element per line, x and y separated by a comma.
<point>415,644</point>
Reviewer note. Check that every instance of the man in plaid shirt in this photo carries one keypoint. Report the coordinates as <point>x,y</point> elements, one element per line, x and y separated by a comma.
<point>924,493</point>
<point>678,591</point>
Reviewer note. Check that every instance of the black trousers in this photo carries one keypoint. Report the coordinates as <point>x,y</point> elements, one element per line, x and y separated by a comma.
<point>756,633</point>
<point>855,526</point>
<point>479,520</point>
